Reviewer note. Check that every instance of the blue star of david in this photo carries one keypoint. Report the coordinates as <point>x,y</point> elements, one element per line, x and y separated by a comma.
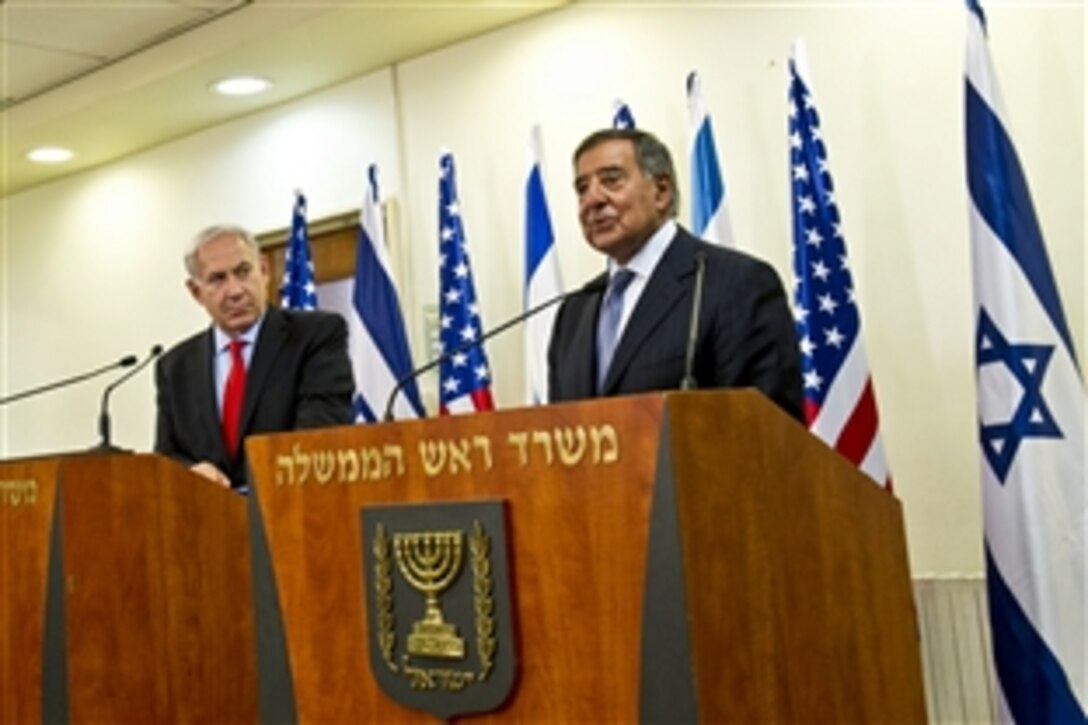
<point>1032,417</point>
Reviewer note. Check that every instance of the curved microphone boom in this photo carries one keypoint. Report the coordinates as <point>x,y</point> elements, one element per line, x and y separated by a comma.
<point>125,362</point>
<point>594,285</point>
<point>688,383</point>
<point>104,443</point>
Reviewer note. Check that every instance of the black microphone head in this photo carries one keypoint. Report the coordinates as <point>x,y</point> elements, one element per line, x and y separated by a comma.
<point>156,350</point>
<point>127,361</point>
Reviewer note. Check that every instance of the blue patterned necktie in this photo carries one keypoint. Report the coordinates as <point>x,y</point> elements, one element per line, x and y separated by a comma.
<point>608,324</point>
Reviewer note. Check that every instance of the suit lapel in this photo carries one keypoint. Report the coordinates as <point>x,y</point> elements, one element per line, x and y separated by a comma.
<point>583,348</point>
<point>206,405</point>
<point>269,342</point>
<point>663,291</point>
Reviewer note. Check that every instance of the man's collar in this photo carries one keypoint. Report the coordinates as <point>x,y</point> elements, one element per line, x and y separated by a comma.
<point>249,336</point>
<point>646,258</point>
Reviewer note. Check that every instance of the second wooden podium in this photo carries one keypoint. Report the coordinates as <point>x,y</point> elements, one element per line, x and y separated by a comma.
<point>680,557</point>
<point>124,594</point>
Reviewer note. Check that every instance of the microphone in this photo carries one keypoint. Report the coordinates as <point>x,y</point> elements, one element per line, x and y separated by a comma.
<point>688,383</point>
<point>594,285</point>
<point>104,444</point>
<point>125,362</point>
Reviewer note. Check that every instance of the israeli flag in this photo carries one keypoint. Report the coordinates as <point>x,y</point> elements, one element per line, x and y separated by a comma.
<point>1031,403</point>
<point>621,115</point>
<point>377,341</point>
<point>709,213</point>
<point>542,278</point>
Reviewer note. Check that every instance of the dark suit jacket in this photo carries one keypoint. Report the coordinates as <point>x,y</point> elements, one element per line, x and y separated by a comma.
<point>299,377</point>
<point>745,338</point>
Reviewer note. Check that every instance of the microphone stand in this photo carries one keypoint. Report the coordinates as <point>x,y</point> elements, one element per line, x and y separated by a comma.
<point>105,445</point>
<point>689,382</point>
<point>127,361</point>
<point>595,285</point>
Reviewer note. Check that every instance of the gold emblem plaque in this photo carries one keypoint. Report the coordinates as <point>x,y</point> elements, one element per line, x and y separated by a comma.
<point>439,620</point>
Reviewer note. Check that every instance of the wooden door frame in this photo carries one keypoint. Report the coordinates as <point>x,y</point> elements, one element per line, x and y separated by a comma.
<point>333,243</point>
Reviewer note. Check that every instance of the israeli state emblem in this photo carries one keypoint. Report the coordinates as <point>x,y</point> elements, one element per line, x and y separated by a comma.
<point>439,621</point>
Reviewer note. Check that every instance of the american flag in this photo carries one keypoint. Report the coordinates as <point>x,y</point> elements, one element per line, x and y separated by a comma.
<point>1031,404</point>
<point>840,405</point>
<point>297,291</point>
<point>465,376</point>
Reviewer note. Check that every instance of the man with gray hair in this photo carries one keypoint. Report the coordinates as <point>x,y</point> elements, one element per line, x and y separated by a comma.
<point>257,369</point>
<point>632,336</point>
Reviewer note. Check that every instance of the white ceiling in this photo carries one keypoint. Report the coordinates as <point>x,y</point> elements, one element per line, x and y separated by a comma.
<point>108,79</point>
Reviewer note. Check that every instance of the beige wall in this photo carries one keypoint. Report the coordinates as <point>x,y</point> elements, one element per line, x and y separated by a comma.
<point>92,271</point>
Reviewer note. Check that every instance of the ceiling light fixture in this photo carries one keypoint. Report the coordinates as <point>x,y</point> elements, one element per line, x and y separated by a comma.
<point>241,86</point>
<point>50,155</point>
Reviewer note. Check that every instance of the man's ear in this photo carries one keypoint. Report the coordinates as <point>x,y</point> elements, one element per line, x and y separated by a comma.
<point>194,288</point>
<point>663,193</point>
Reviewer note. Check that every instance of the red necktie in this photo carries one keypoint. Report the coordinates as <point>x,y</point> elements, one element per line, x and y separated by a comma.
<point>233,395</point>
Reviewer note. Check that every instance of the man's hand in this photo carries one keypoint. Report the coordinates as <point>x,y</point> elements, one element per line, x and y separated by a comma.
<point>209,471</point>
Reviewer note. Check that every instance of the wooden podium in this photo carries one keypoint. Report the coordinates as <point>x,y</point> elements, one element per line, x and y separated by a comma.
<point>125,594</point>
<point>679,557</point>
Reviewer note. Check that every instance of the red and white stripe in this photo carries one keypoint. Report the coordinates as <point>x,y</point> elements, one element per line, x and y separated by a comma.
<point>848,420</point>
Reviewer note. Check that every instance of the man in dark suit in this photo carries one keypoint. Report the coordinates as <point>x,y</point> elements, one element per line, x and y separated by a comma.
<point>257,369</point>
<point>631,334</point>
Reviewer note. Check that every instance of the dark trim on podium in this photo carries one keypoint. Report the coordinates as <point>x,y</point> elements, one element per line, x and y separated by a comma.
<point>667,691</point>
<point>55,707</point>
<point>275,689</point>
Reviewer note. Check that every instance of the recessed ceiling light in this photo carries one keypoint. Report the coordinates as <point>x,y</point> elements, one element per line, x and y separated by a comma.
<point>50,155</point>
<point>241,85</point>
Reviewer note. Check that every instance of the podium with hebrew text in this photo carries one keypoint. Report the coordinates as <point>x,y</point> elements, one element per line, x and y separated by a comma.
<point>124,594</point>
<point>682,557</point>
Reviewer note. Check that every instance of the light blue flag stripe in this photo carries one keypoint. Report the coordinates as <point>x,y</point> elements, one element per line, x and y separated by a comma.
<point>542,278</point>
<point>375,301</point>
<point>539,237</point>
<point>707,184</point>
<point>1000,192</point>
<point>708,191</point>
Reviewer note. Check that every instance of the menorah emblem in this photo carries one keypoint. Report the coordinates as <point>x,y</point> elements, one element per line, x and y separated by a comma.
<point>430,561</point>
